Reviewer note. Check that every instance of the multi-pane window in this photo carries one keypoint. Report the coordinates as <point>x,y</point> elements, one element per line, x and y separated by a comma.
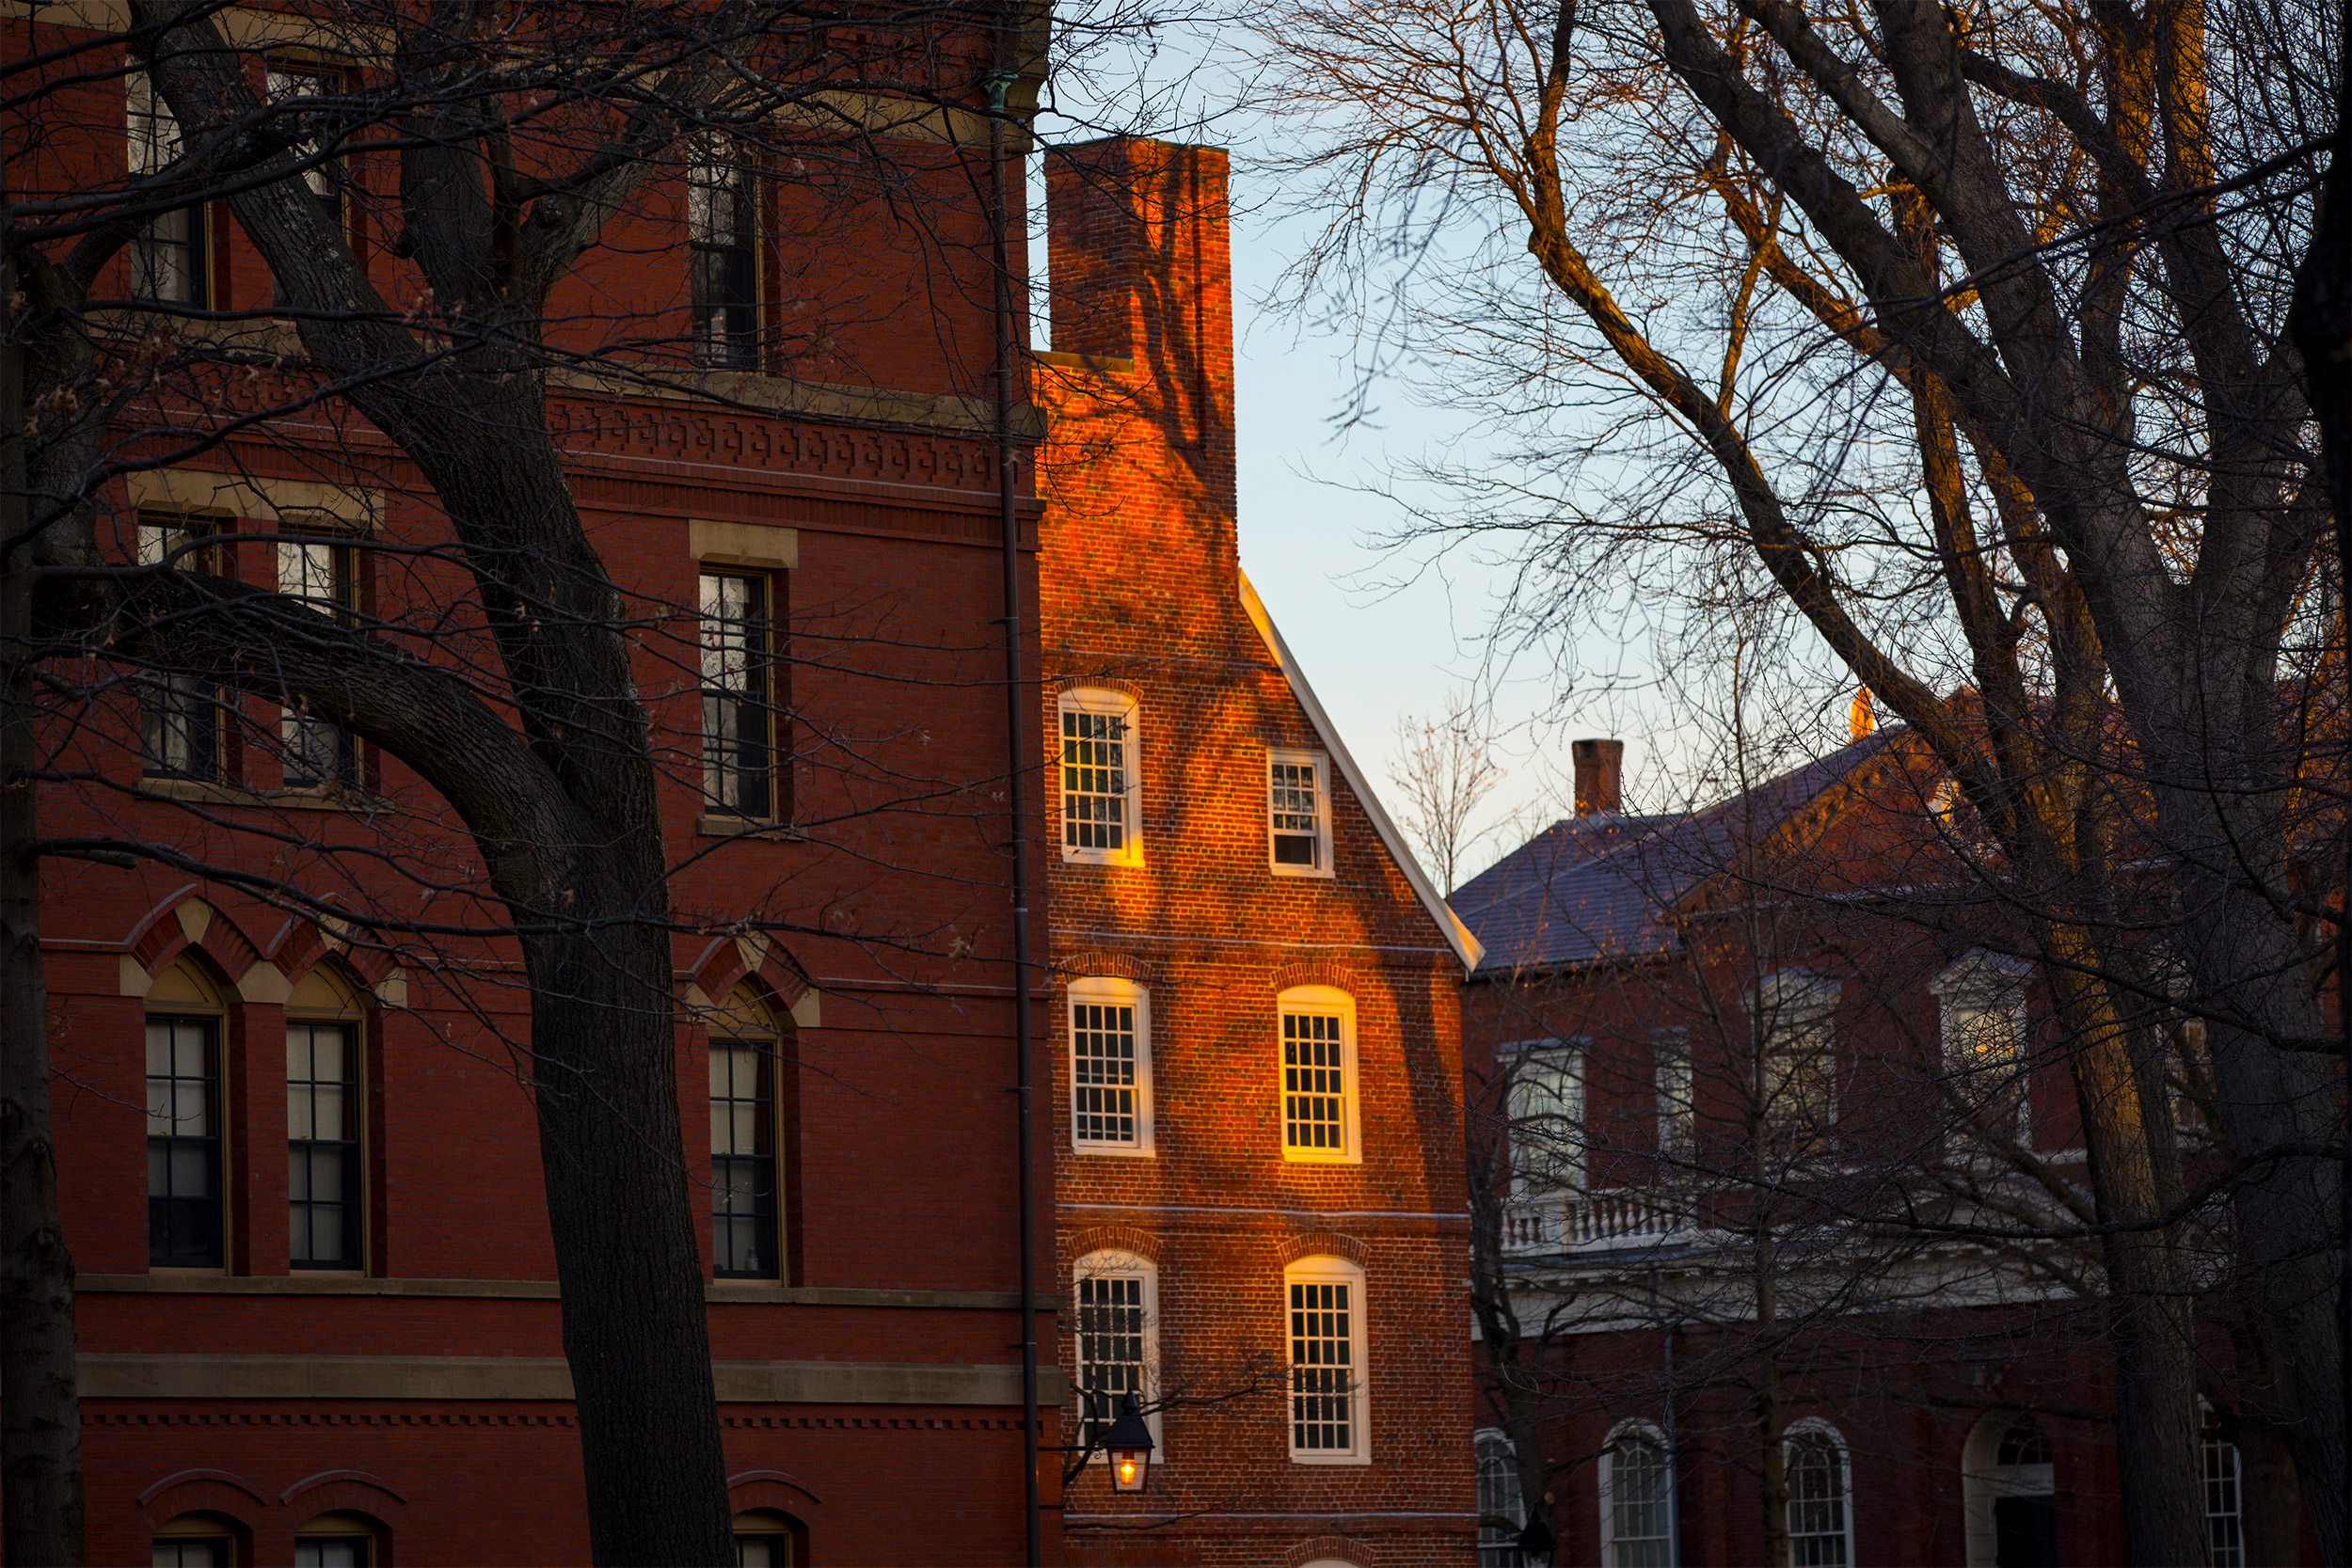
<point>743,1160</point>
<point>1820,1505</point>
<point>1099,795</point>
<point>1981,1000</point>
<point>184,1143</point>
<point>722,234</point>
<point>1325,1376</point>
<point>323,1186</point>
<point>1110,1067</point>
<point>1637,1503</point>
<point>1794,1013</point>
<point>1113,1329</point>
<point>1298,812</point>
<point>311,85</point>
<point>1318,1069</point>
<point>2225,1529</point>
<point>314,571</point>
<point>180,714</point>
<point>1501,1511</point>
<point>1677,1106</point>
<point>1546,1119</point>
<point>209,1550</point>
<point>737,765</point>
<point>168,256</point>
<point>335,1542</point>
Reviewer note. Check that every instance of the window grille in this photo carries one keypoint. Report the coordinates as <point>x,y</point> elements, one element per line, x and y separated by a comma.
<point>1793,1018</point>
<point>742,1161</point>
<point>1314,1083</point>
<point>291,80</point>
<point>1295,803</point>
<point>1678,1106</point>
<point>1111,1332</point>
<point>1501,1511</point>
<point>183,1143</point>
<point>738,764</point>
<point>194,1551</point>
<point>167,254</point>
<point>1323,1367</point>
<point>1102,1083</point>
<point>323,1184</point>
<point>1094,780</point>
<point>2225,1531</point>
<point>1547,1121</point>
<point>180,714</point>
<point>315,572</point>
<point>1818,1501</point>
<point>333,1551</point>
<point>1639,1517</point>
<point>721,234</point>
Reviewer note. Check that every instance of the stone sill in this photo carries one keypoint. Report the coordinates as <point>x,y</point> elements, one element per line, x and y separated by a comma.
<point>199,792</point>
<point>748,827</point>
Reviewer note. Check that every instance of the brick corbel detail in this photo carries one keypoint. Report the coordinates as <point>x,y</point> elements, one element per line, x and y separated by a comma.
<point>1320,1243</point>
<point>1319,972</point>
<point>1346,1548</point>
<point>1111,1238</point>
<point>1104,964</point>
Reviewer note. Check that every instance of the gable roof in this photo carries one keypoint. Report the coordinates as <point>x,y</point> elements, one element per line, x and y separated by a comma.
<point>1598,887</point>
<point>1458,935</point>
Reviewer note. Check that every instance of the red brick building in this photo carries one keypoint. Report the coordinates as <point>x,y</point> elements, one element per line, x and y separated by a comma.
<point>1256,1114</point>
<point>1741,1080</point>
<point>318,1304</point>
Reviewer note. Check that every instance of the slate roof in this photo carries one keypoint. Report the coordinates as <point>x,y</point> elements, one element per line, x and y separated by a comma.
<point>1595,887</point>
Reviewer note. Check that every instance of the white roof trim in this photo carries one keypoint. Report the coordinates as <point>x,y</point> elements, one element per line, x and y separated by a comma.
<point>1466,946</point>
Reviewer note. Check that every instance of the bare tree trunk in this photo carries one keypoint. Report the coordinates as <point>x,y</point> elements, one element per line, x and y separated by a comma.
<point>40,1405</point>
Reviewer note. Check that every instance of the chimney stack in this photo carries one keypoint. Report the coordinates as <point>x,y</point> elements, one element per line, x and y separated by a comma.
<point>1599,764</point>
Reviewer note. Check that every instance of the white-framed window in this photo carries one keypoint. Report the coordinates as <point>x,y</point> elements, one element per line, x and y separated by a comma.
<point>1794,1012</point>
<point>2225,1526</point>
<point>739,727</point>
<point>1117,1297</point>
<point>315,570</point>
<point>1110,1067</point>
<point>1980,1007</point>
<point>1819,1476</point>
<point>1324,1328</point>
<point>722,248</point>
<point>1501,1507</point>
<point>1637,1498</point>
<point>1298,812</point>
<point>168,256</point>
<point>1102,778</point>
<point>1546,1109</point>
<point>1677,1091</point>
<point>1316,1045</point>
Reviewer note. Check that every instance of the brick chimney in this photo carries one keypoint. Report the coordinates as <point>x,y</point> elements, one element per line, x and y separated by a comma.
<point>1599,764</point>
<point>1137,242</point>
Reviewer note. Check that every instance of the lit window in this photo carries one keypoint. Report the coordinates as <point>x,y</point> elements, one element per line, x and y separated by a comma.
<point>183,1207</point>
<point>1100,779</point>
<point>1981,1002</point>
<point>336,1541</point>
<point>766,1539</point>
<point>1326,1301</point>
<point>1501,1511</point>
<point>1547,1118</point>
<point>195,1541</point>
<point>1110,1067</point>
<point>180,714</point>
<point>1637,1500</point>
<point>737,765</point>
<point>1821,1497</point>
<point>1299,814</point>
<point>168,256</point>
<point>1794,1012</point>
<point>323,1185</point>
<point>1318,1040</point>
<point>314,571</point>
<point>742,1160</point>
<point>2225,1531</point>
<point>1118,1327</point>
<point>1678,1107</point>
<point>723,235</point>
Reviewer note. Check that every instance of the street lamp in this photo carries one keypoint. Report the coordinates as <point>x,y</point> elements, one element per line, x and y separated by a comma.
<point>1129,1443</point>
<point>1535,1543</point>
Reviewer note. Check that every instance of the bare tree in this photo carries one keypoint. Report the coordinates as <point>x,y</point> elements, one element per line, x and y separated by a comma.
<point>1444,769</point>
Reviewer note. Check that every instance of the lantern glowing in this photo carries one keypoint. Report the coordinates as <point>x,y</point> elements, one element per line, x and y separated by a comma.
<point>1129,1444</point>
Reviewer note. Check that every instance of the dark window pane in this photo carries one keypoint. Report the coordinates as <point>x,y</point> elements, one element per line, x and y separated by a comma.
<point>323,1184</point>
<point>742,1160</point>
<point>737,769</point>
<point>183,1152</point>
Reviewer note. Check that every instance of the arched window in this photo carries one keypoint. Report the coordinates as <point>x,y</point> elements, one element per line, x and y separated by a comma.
<point>746,1240</point>
<point>336,1541</point>
<point>765,1538</point>
<point>1117,1294</point>
<point>2225,1526</point>
<point>1820,1495</point>
<point>2009,1494</point>
<point>185,1175</point>
<point>1501,1511</point>
<point>1317,1028</point>
<point>1102,779</point>
<point>325,1165</point>
<point>1110,1067</point>
<point>1324,1328</point>
<point>1637,1498</point>
<point>196,1541</point>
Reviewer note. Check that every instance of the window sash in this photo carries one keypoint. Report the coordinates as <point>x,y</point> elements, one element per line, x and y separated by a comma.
<point>1499,1498</point>
<point>1640,1521</point>
<point>184,1173</point>
<point>743,1242</point>
<point>1314,1083</point>
<point>722,223</point>
<point>322,1172</point>
<point>1114,1332</point>
<point>1323,1374</point>
<point>1677,1104</point>
<point>1547,1122</point>
<point>315,572</point>
<point>1295,812</point>
<point>2225,1528</point>
<point>282,80</point>
<point>168,254</point>
<point>737,729</point>
<point>1106,1082</point>
<point>181,716</point>
<point>1818,1501</point>
<point>1095,779</point>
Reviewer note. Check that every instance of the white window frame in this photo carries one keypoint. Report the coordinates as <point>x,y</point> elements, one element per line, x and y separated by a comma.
<point>1325,1269</point>
<point>1813,1426</point>
<point>1564,1170</point>
<point>1493,1442</point>
<point>1119,1263</point>
<point>1095,700</point>
<point>1674,1082</point>
<point>1321,1001</point>
<point>1321,765</point>
<point>1650,1432</point>
<point>1782,1004</point>
<point>1110,989</point>
<point>1985,982</point>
